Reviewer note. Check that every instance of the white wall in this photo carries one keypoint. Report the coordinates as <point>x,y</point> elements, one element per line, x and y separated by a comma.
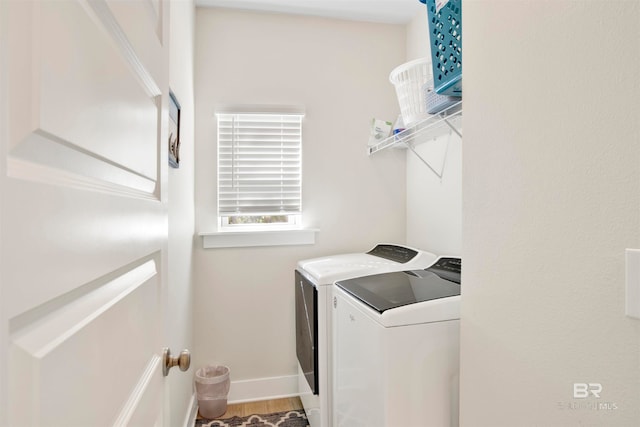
<point>551,185</point>
<point>181,208</point>
<point>339,70</point>
<point>434,205</point>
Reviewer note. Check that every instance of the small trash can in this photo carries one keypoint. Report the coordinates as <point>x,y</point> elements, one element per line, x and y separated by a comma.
<point>212,387</point>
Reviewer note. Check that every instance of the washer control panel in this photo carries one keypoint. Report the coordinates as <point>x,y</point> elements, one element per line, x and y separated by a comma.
<point>447,268</point>
<point>393,253</point>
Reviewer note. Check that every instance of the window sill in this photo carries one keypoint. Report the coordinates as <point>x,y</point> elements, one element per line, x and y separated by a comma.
<point>249,238</point>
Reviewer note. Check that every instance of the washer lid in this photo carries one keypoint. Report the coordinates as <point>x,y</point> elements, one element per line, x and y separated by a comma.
<point>381,259</point>
<point>391,290</point>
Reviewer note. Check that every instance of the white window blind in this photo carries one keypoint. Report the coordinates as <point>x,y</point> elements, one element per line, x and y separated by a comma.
<point>259,164</point>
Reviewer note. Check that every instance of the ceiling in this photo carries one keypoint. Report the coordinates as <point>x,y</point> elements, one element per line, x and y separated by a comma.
<point>385,11</point>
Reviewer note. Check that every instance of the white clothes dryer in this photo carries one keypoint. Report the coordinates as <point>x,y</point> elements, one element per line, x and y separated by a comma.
<point>396,348</point>
<point>313,293</point>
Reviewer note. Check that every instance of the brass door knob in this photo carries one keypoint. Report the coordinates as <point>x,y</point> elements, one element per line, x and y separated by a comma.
<point>183,361</point>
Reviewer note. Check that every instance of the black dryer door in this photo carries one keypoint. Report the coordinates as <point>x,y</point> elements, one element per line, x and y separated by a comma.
<point>307,329</point>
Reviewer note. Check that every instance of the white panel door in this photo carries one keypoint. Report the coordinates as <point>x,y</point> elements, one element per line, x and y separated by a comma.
<point>83,92</point>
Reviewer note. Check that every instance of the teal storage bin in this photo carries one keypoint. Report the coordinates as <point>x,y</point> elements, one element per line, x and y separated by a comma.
<point>445,35</point>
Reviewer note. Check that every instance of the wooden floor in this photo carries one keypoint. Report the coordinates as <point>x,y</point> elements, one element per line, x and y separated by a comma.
<point>262,407</point>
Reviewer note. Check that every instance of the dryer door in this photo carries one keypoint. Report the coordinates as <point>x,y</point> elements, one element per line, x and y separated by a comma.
<point>307,329</point>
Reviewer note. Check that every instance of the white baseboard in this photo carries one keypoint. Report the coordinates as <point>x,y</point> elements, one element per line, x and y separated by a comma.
<point>263,389</point>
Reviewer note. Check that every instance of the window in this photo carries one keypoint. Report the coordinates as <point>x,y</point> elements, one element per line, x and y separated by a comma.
<point>259,169</point>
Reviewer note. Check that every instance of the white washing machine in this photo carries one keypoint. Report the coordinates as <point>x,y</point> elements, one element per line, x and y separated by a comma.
<point>313,286</point>
<point>396,348</point>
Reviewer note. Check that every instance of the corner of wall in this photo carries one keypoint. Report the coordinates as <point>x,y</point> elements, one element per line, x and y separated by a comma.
<point>434,206</point>
<point>417,44</point>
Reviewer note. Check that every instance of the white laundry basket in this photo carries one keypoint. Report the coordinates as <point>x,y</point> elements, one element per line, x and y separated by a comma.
<point>409,79</point>
<point>212,388</point>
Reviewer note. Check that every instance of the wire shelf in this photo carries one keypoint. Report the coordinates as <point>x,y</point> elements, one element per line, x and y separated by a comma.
<point>447,121</point>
